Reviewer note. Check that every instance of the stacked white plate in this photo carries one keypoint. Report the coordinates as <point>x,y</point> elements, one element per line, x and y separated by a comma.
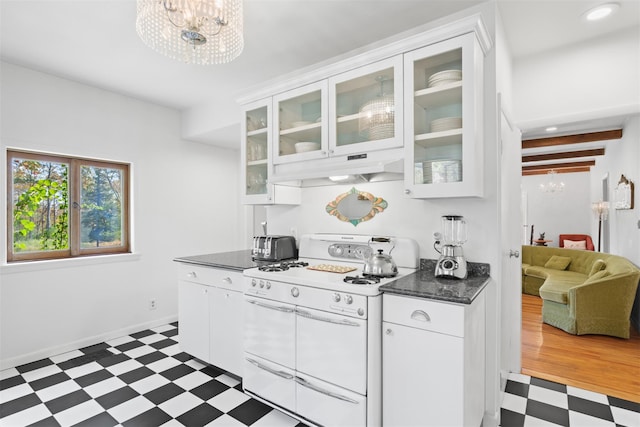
<point>444,77</point>
<point>303,147</point>
<point>446,123</point>
<point>440,171</point>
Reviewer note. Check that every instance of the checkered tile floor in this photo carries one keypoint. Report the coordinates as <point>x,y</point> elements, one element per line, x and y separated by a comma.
<point>138,380</point>
<point>145,380</point>
<point>535,402</point>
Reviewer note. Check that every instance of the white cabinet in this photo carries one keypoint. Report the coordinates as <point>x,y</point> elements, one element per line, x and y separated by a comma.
<point>443,119</point>
<point>333,126</point>
<point>193,319</point>
<point>432,362</point>
<point>365,108</point>
<point>255,152</point>
<point>300,124</point>
<point>210,316</point>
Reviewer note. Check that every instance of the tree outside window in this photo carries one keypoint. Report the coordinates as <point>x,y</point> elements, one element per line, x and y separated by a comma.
<point>65,207</point>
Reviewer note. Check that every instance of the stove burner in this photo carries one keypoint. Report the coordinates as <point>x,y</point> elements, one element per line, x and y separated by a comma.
<point>365,279</point>
<point>282,266</point>
<point>297,264</point>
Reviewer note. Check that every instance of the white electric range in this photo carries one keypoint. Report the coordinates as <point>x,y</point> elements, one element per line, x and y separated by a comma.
<point>313,337</point>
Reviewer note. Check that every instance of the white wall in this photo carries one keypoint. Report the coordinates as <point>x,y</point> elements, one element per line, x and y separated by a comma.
<point>596,78</point>
<point>622,157</point>
<point>179,209</point>
<point>566,212</point>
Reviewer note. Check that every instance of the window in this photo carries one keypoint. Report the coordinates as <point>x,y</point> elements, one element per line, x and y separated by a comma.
<point>62,207</point>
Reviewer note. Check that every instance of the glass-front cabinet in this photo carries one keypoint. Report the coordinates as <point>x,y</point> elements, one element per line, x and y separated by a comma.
<point>300,124</point>
<point>365,108</point>
<point>256,161</point>
<point>256,141</point>
<point>443,125</point>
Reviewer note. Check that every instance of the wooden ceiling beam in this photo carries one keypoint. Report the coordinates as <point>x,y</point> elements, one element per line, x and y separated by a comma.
<point>563,155</point>
<point>559,166</point>
<point>565,170</point>
<point>572,139</point>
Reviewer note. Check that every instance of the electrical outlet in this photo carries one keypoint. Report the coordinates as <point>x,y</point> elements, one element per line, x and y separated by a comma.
<point>152,304</point>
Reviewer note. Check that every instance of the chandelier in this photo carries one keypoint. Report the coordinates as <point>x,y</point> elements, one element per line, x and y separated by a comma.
<point>192,31</point>
<point>552,186</point>
<point>376,118</point>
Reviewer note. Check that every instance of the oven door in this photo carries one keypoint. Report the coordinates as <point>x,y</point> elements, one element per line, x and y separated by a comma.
<point>272,382</point>
<point>333,348</point>
<point>328,405</point>
<point>270,330</point>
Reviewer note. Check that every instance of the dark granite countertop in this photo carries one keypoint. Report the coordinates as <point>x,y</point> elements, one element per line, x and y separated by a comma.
<point>236,260</point>
<point>424,284</point>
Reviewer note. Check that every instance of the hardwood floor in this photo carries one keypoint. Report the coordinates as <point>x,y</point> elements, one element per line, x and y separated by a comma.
<point>599,363</point>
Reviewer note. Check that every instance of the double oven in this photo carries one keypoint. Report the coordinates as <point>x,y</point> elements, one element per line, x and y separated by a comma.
<point>313,330</point>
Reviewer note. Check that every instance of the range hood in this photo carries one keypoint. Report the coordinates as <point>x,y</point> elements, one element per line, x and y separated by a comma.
<point>386,165</point>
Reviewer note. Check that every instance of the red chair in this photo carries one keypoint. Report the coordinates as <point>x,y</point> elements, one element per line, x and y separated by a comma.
<point>577,238</point>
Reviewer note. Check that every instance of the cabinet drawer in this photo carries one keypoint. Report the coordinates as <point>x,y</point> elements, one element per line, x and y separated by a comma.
<point>424,314</point>
<point>226,279</point>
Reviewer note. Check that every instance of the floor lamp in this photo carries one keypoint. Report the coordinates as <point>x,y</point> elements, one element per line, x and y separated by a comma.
<point>601,210</point>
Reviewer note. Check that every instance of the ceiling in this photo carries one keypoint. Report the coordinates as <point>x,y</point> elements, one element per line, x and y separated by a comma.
<point>95,42</point>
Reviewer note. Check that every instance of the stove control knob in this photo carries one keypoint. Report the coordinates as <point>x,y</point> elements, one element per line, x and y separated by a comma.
<point>348,299</point>
<point>268,285</point>
<point>253,282</point>
<point>360,312</point>
<point>295,292</point>
<point>336,297</point>
<point>262,283</point>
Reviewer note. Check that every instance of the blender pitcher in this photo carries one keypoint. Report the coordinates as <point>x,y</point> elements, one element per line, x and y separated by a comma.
<point>452,263</point>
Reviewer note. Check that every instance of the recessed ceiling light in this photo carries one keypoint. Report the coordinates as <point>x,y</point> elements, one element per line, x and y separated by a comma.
<point>600,12</point>
<point>551,128</point>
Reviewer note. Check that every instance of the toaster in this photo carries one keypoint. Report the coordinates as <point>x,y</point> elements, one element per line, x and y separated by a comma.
<point>273,248</point>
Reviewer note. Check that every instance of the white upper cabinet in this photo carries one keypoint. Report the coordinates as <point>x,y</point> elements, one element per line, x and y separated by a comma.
<point>443,119</point>
<point>300,124</point>
<point>255,152</point>
<point>365,108</point>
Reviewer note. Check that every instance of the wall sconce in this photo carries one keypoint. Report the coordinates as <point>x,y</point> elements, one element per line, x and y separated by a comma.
<point>624,194</point>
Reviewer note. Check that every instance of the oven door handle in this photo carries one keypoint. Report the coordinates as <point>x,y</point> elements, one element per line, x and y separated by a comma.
<point>343,322</point>
<point>308,385</point>
<point>280,374</point>
<point>271,307</point>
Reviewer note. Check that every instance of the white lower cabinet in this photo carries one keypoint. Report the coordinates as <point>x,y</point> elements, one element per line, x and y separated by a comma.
<point>210,316</point>
<point>432,362</point>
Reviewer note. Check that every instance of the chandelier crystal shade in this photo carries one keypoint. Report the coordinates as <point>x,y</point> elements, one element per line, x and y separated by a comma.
<point>376,117</point>
<point>552,186</point>
<point>192,31</point>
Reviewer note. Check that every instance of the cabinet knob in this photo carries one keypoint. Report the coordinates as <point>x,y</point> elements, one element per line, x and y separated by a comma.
<point>388,332</point>
<point>407,191</point>
<point>227,280</point>
<point>192,274</point>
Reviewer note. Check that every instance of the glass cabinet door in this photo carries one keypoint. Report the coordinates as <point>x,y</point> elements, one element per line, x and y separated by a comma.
<point>256,142</point>
<point>300,124</point>
<point>365,108</point>
<point>444,156</point>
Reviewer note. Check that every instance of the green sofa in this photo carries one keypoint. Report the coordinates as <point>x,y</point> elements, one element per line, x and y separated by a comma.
<point>583,292</point>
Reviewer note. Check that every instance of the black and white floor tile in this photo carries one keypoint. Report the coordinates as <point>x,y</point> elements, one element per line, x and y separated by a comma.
<point>144,379</point>
<point>530,401</point>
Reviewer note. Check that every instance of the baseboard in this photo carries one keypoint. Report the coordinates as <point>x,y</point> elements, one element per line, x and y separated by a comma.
<point>85,342</point>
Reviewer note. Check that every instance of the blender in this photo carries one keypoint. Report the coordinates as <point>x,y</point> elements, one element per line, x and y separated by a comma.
<point>451,263</point>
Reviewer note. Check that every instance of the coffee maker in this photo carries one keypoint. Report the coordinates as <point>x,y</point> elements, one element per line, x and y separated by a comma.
<point>451,263</point>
